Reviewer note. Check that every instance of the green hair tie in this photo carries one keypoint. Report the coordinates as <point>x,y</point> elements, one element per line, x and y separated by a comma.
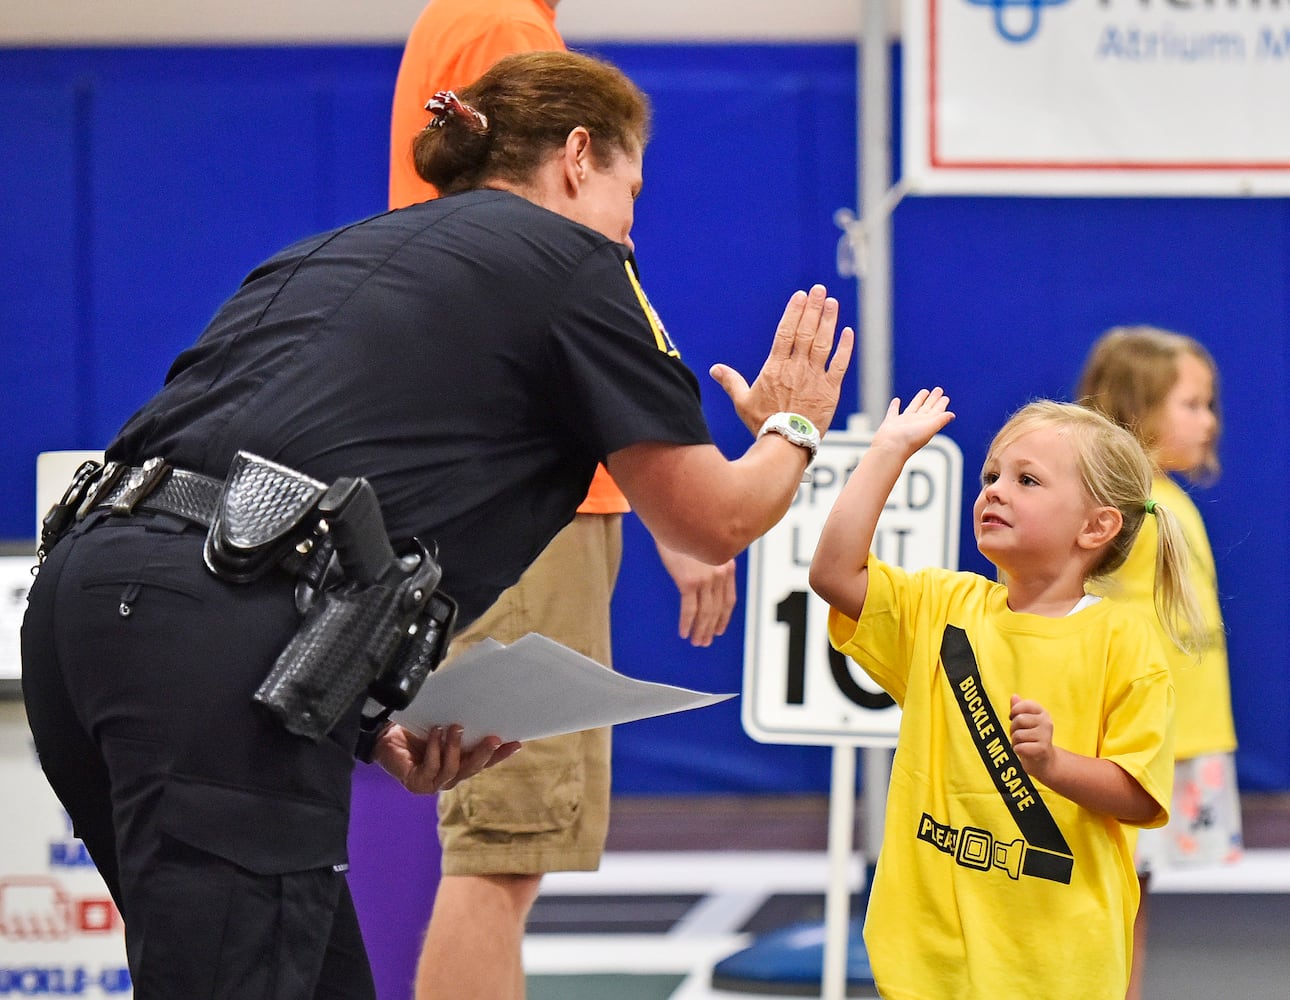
<point>1151,506</point>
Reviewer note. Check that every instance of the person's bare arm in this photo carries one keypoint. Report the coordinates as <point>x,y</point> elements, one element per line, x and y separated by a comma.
<point>1092,782</point>
<point>693,500</point>
<point>708,594</point>
<point>839,572</point>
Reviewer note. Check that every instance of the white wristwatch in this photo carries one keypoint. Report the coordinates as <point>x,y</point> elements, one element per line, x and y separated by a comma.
<point>796,428</point>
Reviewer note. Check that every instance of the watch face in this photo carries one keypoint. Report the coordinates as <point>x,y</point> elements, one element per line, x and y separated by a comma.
<point>801,425</point>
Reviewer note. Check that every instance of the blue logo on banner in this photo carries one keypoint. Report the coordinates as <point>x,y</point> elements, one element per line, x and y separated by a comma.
<point>1029,20</point>
<point>75,980</point>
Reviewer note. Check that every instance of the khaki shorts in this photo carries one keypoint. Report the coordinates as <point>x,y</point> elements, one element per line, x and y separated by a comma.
<point>547,808</point>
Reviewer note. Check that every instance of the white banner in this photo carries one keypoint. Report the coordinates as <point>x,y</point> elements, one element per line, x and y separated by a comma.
<point>1097,97</point>
<point>60,933</point>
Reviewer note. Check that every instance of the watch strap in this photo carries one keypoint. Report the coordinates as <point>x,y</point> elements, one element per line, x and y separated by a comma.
<point>795,427</point>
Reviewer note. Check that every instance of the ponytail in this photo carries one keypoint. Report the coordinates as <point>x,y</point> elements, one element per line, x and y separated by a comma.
<point>1176,605</point>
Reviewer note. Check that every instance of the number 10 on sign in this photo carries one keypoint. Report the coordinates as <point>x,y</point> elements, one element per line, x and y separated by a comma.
<point>797,688</point>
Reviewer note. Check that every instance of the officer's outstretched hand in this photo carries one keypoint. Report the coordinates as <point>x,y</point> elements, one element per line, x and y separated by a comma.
<point>430,764</point>
<point>803,372</point>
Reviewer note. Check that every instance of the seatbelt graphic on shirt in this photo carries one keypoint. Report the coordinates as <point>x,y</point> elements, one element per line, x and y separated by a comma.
<point>1042,851</point>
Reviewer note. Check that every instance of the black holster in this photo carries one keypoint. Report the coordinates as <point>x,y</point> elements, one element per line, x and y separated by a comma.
<point>382,629</point>
<point>384,638</point>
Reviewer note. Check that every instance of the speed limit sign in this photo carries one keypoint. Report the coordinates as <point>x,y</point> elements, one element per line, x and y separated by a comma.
<point>797,688</point>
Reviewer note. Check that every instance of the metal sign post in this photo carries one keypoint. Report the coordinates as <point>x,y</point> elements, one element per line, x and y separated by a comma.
<point>797,688</point>
<point>865,251</point>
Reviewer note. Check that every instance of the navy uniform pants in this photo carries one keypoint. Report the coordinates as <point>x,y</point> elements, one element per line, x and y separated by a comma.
<point>221,836</point>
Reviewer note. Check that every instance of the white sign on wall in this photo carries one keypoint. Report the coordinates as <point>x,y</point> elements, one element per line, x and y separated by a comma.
<point>797,688</point>
<point>15,581</point>
<point>60,933</point>
<point>1096,97</point>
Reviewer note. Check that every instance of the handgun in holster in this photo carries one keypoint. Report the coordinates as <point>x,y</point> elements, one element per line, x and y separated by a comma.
<point>381,630</point>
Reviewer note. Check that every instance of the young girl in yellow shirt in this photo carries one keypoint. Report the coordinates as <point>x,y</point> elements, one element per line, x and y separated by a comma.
<point>1037,725</point>
<point>1162,386</point>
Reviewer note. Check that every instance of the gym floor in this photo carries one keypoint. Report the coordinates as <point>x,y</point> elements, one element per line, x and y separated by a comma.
<point>687,883</point>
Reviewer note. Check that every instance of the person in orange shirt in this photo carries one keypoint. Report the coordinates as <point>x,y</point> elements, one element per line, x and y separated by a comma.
<point>451,44</point>
<point>548,808</point>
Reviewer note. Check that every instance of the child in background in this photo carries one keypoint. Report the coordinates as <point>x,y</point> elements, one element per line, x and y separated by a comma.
<point>1037,724</point>
<point>1162,386</point>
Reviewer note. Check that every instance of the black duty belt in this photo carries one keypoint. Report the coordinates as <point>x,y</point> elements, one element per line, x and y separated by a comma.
<point>157,488</point>
<point>380,624</point>
<point>272,526</point>
<point>153,487</point>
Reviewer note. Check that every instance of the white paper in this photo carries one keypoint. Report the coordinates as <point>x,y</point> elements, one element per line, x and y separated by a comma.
<point>536,687</point>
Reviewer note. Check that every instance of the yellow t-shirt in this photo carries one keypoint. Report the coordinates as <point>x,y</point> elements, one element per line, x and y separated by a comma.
<point>1204,718</point>
<point>989,884</point>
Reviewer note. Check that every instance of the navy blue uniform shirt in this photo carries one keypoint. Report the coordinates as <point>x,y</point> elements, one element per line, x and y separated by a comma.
<point>473,356</point>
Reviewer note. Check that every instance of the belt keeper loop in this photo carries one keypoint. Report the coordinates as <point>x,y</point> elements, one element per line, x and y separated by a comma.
<point>142,481</point>
<point>102,488</point>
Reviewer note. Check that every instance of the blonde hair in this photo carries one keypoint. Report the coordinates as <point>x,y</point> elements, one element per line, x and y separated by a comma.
<point>1129,372</point>
<point>1116,472</point>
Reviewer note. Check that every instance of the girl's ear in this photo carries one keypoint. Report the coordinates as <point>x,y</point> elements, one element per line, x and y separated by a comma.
<point>1102,525</point>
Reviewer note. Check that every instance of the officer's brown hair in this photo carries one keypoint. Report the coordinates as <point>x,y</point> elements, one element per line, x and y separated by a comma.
<point>531,101</point>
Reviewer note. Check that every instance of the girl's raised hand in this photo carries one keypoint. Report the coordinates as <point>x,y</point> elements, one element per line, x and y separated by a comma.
<point>908,430</point>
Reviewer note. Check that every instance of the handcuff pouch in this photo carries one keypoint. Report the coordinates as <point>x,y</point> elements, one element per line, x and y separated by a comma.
<point>264,519</point>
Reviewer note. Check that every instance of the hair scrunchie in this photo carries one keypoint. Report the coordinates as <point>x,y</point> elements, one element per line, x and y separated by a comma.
<point>445,104</point>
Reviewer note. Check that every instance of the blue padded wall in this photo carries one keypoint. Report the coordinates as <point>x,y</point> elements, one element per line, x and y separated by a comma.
<point>138,186</point>
<point>42,264</point>
<point>144,184</point>
<point>753,151</point>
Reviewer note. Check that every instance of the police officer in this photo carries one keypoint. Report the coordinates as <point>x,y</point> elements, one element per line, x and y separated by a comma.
<point>473,358</point>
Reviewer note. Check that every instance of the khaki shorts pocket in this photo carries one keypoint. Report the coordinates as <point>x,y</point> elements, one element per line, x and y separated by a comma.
<point>520,799</point>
